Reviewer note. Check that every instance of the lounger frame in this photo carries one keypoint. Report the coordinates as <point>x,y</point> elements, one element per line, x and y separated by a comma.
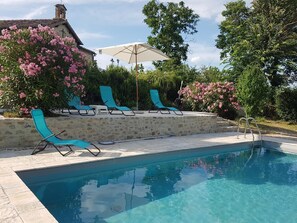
<point>155,98</point>
<point>45,140</point>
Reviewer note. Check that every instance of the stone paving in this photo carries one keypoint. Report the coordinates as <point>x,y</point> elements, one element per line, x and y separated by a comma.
<point>18,203</point>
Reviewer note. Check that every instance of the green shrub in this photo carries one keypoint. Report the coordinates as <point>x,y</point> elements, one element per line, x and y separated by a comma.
<point>252,90</point>
<point>286,104</point>
<point>122,83</point>
<point>91,81</point>
<point>167,83</point>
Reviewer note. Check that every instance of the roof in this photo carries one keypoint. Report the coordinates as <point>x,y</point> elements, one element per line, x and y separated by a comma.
<point>88,50</point>
<point>25,23</point>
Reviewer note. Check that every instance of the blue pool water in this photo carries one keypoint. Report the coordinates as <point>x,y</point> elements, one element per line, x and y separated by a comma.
<point>226,187</point>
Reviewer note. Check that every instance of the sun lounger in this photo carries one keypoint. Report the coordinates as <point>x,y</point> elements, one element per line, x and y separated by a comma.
<point>108,100</point>
<point>159,105</point>
<point>49,138</point>
<point>75,103</point>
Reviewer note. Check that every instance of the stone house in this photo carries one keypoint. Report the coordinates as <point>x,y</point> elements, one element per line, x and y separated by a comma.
<point>59,23</point>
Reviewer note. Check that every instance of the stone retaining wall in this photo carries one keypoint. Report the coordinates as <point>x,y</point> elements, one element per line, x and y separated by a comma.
<point>18,133</point>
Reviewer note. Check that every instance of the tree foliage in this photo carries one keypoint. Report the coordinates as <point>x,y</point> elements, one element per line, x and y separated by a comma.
<point>167,82</point>
<point>286,103</point>
<point>252,90</point>
<point>122,83</point>
<point>210,74</point>
<point>265,33</point>
<point>169,23</point>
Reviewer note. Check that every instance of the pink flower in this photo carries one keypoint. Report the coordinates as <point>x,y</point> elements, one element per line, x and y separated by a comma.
<point>27,55</point>
<point>74,80</point>
<point>67,58</point>
<point>21,41</point>
<point>212,97</point>
<point>30,69</point>
<point>2,48</point>
<point>24,110</point>
<point>4,79</point>
<point>220,104</point>
<point>73,69</point>
<point>14,27</point>
<point>67,84</point>
<point>22,95</point>
<point>69,39</point>
<point>43,63</point>
<point>52,58</point>
<point>5,34</point>
<point>53,42</point>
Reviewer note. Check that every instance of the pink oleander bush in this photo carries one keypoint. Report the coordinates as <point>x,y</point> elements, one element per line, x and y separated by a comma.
<point>213,97</point>
<point>37,68</point>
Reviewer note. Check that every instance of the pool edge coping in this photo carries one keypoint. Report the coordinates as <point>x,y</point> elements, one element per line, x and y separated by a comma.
<point>25,206</point>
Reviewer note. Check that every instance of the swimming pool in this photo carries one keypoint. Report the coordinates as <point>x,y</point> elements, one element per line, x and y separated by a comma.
<point>210,185</point>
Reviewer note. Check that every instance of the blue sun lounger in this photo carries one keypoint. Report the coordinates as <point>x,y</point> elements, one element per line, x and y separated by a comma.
<point>75,103</point>
<point>159,105</point>
<point>49,138</point>
<point>108,100</point>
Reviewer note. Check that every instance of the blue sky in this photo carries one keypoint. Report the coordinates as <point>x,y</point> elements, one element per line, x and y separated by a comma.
<point>103,23</point>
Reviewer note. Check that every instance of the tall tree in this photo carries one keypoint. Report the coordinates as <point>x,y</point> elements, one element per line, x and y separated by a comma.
<point>265,33</point>
<point>233,30</point>
<point>170,23</point>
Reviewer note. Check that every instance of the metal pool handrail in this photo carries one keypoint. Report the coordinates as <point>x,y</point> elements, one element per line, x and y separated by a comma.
<point>249,120</point>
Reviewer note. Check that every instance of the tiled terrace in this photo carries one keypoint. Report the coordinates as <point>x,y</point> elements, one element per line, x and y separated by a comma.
<point>18,203</point>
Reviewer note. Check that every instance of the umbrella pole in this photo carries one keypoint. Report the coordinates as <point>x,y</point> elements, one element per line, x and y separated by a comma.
<point>136,88</point>
<point>136,76</point>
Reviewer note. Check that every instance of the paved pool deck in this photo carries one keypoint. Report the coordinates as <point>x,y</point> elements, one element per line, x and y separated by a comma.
<point>18,203</point>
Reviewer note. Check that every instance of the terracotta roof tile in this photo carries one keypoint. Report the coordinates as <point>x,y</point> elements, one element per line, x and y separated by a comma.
<point>25,23</point>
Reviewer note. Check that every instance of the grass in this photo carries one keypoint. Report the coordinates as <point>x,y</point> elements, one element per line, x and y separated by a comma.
<point>276,126</point>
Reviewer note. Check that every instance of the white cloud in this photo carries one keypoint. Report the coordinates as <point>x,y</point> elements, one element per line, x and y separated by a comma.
<point>25,2</point>
<point>36,13</point>
<point>90,35</point>
<point>30,13</point>
<point>70,2</point>
<point>104,60</point>
<point>208,9</point>
<point>6,18</point>
<point>219,18</point>
<point>203,54</point>
<point>98,1</point>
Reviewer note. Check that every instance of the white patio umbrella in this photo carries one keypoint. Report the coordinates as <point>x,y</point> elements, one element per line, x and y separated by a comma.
<point>134,53</point>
